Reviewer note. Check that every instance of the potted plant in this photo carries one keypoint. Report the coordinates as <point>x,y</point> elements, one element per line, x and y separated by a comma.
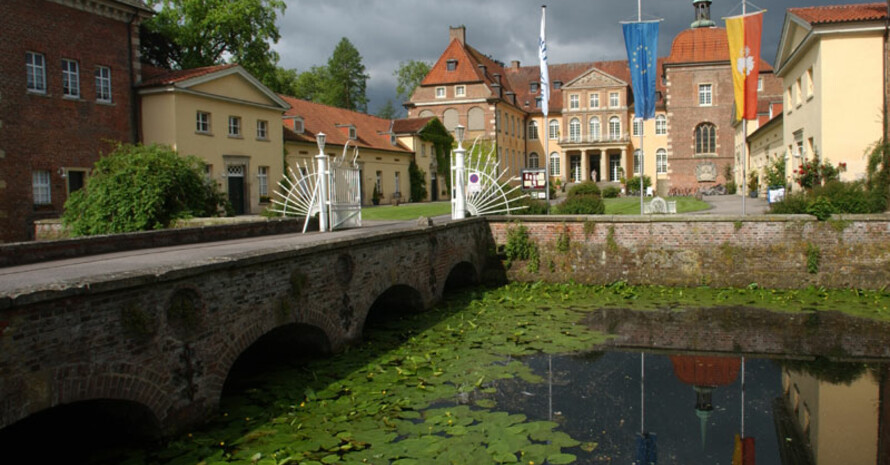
<point>753,184</point>
<point>375,196</point>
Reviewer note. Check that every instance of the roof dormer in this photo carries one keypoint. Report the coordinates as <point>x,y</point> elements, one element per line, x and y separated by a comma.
<point>295,123</point>
<point>350,130</point>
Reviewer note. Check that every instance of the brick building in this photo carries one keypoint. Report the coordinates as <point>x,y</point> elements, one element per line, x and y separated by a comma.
<point>67,71</point>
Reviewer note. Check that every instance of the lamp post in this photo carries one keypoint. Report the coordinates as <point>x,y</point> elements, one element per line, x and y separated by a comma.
<point>322,169</point>
<point>459,201</point>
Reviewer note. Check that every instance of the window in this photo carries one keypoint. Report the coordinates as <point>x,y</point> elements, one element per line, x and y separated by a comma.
<point>440,92</point>
<point>352,133</point>
<point>70,79</point>
<point>533,160</point>
<point>262,129</point>
<point>637,126</point>
<point>208,171</point>
<point>554,130</point>
<point>574,102</point>
<point>705,138</point>
<point>575,130</point>
<point>451,65</point>
<point>594,128</point>
<point>398,187</point>
<point>202,122</point>
<point>704,95</point>
<point>661,125</point>
<point>75,180</point>
<point>637,161</point>
<point>476,119</point>
<point>538,102</point>
<point>533,130</point>
<point>554,164</point>
<point>797,91</point>
<point>262,176</point>
<point>810,84</point>
<point>423,150</point>
<point>613,100</point>
<point>378,182</point>
<point>614,128</point>
<point>661,161</point>
<point>460,91</point>
<point>557,85</point>
<point>35,65</point>
<point>759,83</point>
<point>40,182</point>
<point>103,84</point>
<point>533,87</point>
<point>234,126</point>
<point>788,99</point>
<point>594,100</point>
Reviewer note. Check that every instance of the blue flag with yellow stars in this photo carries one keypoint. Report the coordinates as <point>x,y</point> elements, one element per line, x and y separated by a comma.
<point>641,40</point>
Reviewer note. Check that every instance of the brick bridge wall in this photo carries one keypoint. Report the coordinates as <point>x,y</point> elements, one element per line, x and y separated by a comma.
<point>850,251</point>
<point>167,339</point>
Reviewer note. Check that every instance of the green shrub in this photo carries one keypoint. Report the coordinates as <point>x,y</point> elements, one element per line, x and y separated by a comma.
<point>633,185</point>
<point>850,197</point>
<point>584,188</point>
<point>731,188</point>
<point>582,205</point>
<point>534,207</point>
<point>821,208</point>
<point>519,245</point>
<point>417,179</point>
<point>794,202</point>
<point>775,173</point>
<point>137,188</point>
<point>611,192</point>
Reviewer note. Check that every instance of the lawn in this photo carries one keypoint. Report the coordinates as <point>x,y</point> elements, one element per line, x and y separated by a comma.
<point>406,211</point>
<point>631,205</point>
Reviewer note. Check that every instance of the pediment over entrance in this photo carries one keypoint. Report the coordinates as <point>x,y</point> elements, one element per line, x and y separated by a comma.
<point>593,78</point>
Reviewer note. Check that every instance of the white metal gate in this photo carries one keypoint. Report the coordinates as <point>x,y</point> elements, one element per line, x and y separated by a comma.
<point>346,196</point>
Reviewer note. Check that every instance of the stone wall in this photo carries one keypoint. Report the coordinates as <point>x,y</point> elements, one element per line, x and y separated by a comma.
<point>780,251</point>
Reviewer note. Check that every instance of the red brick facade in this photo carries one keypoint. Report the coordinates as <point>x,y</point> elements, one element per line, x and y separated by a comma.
<point>45,131</point>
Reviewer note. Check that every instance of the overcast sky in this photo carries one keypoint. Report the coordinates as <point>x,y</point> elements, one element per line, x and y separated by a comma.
<point>387,32</point>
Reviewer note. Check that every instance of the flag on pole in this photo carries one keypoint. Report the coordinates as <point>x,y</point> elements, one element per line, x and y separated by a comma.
<point>641,41</point>
<point>744,33</point>
<point>545,74</point>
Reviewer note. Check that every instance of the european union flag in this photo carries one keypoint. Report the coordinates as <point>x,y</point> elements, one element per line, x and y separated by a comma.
<point>641,40</point>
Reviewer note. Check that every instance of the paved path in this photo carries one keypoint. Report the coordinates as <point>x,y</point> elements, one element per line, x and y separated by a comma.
<point>732,205</point>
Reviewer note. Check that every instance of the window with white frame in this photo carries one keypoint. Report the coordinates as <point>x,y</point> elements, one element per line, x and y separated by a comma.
<point>613,100</point>
<point>614,128</point>
<point>378,182</point>
<point>533,160</point>
<point>440,92</point>
<point>460,91</point>
<point>70,78</point>
<point>595,100</point>
<point>533,130</point>
<point>451,65</point>
<point>594,128</point>
<point>103,84</point>
<point>575,130</point>
<point>705,97</point>
<point>574,102</point>
<point>352,133</point>
<point>234,126</point>
<point>202,122</point>
<point>262,129</point>
<point>705,138</point>
<point>40,182</point>
<point>262,176</point>
<point>637,161</point>
<point>661,125</point>
<point>554,164</point>
<point>35,66</point>
<point>554,130</point>
<point>398,188</point>
<point>661,161</point>
<point>638,126</point>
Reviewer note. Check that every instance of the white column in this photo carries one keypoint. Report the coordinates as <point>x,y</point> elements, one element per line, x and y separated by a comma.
<point>322,170</point>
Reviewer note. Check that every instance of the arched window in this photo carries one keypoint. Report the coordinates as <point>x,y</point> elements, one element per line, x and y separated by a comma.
<point>476,119</point>
<point>614,128</point>
<point>575,130</point>
<point>554,130</point>
<point>532,130</point>
<point>554,164</point>
<point>533,160</point>
<point>661,125</point>
<point>705,138</point>
<point>661,161</point>
<point>594,129</point>
<point>426,114</point>
<point>450,118</point>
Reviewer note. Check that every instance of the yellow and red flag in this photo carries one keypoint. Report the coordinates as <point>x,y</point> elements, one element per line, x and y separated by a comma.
<point>744,55</point>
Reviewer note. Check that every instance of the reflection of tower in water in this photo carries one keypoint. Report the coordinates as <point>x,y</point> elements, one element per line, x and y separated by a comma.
<point>705,374</point>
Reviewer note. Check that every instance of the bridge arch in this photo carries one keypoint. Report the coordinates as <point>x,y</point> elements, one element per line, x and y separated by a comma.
<point>462,274</point>
<point>394,302</point>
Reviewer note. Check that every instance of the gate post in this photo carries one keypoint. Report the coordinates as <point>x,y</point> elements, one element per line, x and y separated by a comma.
<point>322,167</point>
<point>459,200</point>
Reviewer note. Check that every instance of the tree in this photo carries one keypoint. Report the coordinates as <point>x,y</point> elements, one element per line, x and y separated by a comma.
<point>409,75</point>
<point>310,85</point>
<point>418,182</point>
<point>138,188</point>
<point>388,111</point>
<point>192,33</point>
<point>346,82</point>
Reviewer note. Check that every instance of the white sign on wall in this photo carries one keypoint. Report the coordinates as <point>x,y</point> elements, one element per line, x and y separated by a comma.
<point>474,183</point>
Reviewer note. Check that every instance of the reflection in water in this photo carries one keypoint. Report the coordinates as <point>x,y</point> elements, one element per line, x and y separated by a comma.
<point>694,408</point>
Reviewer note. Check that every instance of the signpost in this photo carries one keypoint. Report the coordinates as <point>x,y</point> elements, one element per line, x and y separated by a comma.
<point>534,182</point>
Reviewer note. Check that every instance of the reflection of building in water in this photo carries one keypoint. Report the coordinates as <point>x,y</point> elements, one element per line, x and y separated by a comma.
<point>705,374</point>
<point>838,421</point>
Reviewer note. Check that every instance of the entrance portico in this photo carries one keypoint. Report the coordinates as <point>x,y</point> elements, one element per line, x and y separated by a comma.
<point>608,160</point>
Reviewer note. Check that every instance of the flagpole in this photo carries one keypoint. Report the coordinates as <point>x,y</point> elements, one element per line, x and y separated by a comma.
<point>744,150</point>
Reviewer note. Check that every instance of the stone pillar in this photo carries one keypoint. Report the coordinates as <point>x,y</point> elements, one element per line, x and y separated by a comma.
<point>585,166</point>
<point>627,173</point>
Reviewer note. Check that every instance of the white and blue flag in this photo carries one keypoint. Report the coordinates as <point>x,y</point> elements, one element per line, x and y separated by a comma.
<point>545,74</point>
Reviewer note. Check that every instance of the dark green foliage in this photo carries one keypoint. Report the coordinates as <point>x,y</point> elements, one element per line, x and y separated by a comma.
<point>814,258</point>
<point>442,140</point>
<point>582,205</point>
<point>832,198</point>
<point>563,241</point>
<point>408,77</point>
<point>633,184</point>
<point>821,208</point>
<point>822,368</point>
<point>584,188</point>
<point>137,188</point>
<point>775,173</point>
<point>611,192</point>
<point>347,81</point>
<point>878,173</point>
<point>534,207</point>
<point>519,245</point>
<point>794,202</point>
<point>388,111</point>
<point>417,177</point>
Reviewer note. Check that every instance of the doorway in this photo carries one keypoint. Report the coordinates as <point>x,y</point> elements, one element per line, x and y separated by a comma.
<point>595,168</point>
<point>235,176</point>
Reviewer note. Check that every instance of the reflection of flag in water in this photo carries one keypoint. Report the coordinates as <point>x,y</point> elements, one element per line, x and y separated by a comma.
<point>744,33</point>
<point>744,451</point>
<point>646,449</point>
<point>641,41</point>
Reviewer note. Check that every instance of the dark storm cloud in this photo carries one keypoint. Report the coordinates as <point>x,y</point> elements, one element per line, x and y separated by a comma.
<point>387,32</point>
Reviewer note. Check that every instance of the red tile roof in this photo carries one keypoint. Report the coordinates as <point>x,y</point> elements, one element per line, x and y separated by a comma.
<point>467,69</point>
<point>841,13</point>
<point>172,77</point>
<point>703,45</point>
<point>410,125</point>
<point>372,132</point>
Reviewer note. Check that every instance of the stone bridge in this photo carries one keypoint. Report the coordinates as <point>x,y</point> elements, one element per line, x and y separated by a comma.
<point>165,339</point>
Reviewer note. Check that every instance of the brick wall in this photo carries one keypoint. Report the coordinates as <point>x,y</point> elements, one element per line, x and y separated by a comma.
<point>772,251</point>
<point>46,131</point>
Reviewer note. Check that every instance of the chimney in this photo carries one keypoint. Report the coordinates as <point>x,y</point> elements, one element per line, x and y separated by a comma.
<point>514,64</point>
<point>459,33</point>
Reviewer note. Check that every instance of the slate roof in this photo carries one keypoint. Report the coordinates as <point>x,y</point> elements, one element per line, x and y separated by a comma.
<point>830,14</point>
